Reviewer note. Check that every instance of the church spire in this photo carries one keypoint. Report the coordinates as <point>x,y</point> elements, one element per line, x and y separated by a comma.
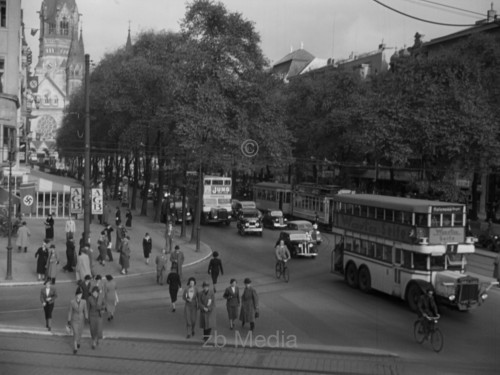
<point>128,46</point>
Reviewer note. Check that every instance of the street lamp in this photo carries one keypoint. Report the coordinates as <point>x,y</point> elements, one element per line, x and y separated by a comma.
<point>12,155</point>
<point>86,182</point>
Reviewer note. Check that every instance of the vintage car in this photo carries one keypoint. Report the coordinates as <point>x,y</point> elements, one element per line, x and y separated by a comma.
<point>298,243</point>
<point>237,206</point>
<point>308,227</point>
<point>178,213</point>
<point>274,219</point>
<point>249,221</point>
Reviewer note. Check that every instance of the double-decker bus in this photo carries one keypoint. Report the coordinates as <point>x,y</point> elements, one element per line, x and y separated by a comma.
<point>216,200</point>
<point>402,246</point>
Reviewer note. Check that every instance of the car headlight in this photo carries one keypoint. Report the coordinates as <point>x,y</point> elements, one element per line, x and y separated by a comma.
<point>215,216</point>
<point>484,296</point>
<point>452,297</point>
<point>247,225</point>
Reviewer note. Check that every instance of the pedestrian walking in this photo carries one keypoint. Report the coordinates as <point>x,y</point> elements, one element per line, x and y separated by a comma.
<point>174,284</point>
<point>82,266</point>
<point>96,310</point>
<point>42,254</point>
<point>99,283</point>
<point>49,226</point>
<point>77,315</point>
<point>23,238</point>
<point>128,216</point>
<point>249,305</point>
<point>48,294</point>
<point>161,267</point>
<point>169,236</point>
<point>206,303</point>
<point>190,297</point>
<point>71,256</point>
<point>52,262</point>
<point>110,296</point>
<point>88,250</point>
<point>118,216</point>
<point>496,268</point>
<point>105,214</point>
<point>232,296</point>
<point>125,255</point>
<point>109,229</point>
<point>121,232</point>
<point>177,259</point>
<point>215,267</point>
<point>147,246</point>
<point>70,228</point>
<point>102,246</point>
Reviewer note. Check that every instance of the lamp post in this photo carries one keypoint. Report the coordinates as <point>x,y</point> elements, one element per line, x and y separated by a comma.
<point>199,208</point>
<point>9,216</point>
<point>86,182</point>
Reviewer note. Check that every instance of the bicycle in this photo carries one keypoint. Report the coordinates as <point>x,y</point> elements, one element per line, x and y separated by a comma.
<point>282,270</point>
<point>429,332</point>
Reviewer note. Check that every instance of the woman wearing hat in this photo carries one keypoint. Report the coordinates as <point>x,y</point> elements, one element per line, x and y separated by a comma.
<point>206,303</point>
<point>48,295</point>
<point>42,254</point>
<point>77,315</point>
<point>49,227</point>
<point>111,296</point>
<point>215,267</point>
<point>52,262</point>
<point>249,305</point>
<point>190,296</point>
<point>232,296</point>
<point>96,311</point>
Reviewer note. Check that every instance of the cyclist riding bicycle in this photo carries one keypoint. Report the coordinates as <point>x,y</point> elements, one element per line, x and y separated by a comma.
<point>427,308</point>
<point>282,253</point>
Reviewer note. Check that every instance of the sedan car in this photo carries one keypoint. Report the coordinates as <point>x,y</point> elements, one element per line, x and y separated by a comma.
<point>274,219</point>
<point>299,243</point>
<point>308,227</point>
<point>249,221</point>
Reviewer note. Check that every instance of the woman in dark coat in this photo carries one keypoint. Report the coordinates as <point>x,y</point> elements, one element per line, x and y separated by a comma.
<point>128,222</point>
<point>96,310</point>
<point>215,267</point>
<point>174,284</point>
<point>206,303</point>
<point>125,255</point>
<point>249,305</point>
<point>190,297</point>
<point>147,246</point>
<point>41,264</point>
<point>232,296</point>
<point>70,255</point>
<point>49,227</point>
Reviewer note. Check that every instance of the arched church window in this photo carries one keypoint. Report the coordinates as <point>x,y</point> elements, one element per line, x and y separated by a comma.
<point>52,28</point>
<point>46,98</point>
<point>55,100</point>
<point>64,26</point>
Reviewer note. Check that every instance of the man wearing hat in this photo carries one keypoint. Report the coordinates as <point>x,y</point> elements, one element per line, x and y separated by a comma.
<point>206,304</point>
<point>177,260</point>
<point>77,315</point>
<point>249,305</point>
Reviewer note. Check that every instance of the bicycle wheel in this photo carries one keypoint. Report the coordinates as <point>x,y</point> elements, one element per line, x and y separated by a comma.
<point>419,331</point>
<point>437,340</point>
<point>286,274</point>
<point>278,270</point>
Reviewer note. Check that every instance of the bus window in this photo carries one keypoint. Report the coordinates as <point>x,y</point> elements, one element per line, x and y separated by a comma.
<point>398,217</point>
<point>437,263</point>
<point>387,254</point>
<point>348,243</point>
<point>357,209</point>
<point>435,220</point>
<point>389,215</point>
<point>455,261</point>
<point>407,218</point>
<point>208,182</point>
<point>421,220</point>
<point>217,182</point>
<point>398,256</point>
<point>357,246</point>
<point>420,261</point>
<point>371,212</point>
<point>458,220</point>
<point>370,250</point>
<point>364,211</point>
<point>348,208</point>
<point>380,214</point>
<point>447,220</point>
<point>364,247</point>
<point>379,249</point>
<point>406,259</point>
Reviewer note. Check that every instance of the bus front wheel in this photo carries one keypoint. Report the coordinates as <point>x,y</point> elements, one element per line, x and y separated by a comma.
<point>364,279</point>
<point>412,296</point>
<point>351,275</point>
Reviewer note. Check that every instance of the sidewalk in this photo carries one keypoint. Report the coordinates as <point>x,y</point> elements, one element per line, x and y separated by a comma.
<point>24,264</point>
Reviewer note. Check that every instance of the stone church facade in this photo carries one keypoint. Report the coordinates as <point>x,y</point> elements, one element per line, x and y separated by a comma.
<point>60,69</point>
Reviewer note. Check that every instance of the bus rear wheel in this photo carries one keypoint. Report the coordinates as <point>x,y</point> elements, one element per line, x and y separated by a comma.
<point>364,280</point>
<point>351,275</point>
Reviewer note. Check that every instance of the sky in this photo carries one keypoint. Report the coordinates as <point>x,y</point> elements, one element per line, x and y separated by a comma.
<point>325,28</point>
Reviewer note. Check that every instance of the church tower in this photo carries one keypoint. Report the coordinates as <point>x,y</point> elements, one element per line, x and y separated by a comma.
<point>60,67</point>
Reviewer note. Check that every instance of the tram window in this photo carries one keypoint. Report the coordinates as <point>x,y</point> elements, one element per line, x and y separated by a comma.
<point>371,212</point>
<point>446,220</point>
<point>435,220</point>
<point>357,209</point>
<point>398,217</point>
<point>407,218</point>
<point>387,254</point>
<point>419,261</point>
<point>380,214</point>
<point>458,220</point>
<point>348,208</point>
<point>389,215</point>
<point>271,196</point>
<point>364,211</point>
<point>421,220</point>
<point>406,259</point>
<point>287,197</point>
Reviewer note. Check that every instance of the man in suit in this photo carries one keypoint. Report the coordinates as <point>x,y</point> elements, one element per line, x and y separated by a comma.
<point>48,295</point>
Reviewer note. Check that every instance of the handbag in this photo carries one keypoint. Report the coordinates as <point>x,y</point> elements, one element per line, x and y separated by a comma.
<point>69,329</point>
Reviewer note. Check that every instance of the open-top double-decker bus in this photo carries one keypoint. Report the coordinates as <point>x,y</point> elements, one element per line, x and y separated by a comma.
<point>401,246</point>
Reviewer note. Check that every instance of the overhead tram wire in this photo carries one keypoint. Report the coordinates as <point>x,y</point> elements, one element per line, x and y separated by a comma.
<point>422,19</point>
<point>452,7</point>
<point>436,6</point>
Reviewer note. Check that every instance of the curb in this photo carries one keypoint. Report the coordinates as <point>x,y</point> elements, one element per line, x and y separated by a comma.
<point>309,348</point>
<point>38,282</point>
